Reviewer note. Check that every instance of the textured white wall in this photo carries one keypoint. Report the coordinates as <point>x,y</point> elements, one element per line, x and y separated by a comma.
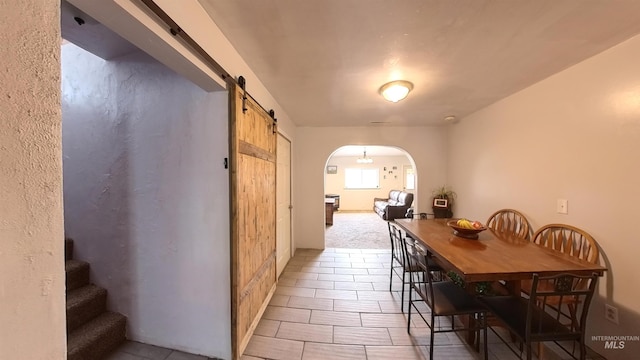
<point>426,145</point>
<point>32,299</point>
<point>146,196</point>
<point>576,136</point>
<point>362,199</point>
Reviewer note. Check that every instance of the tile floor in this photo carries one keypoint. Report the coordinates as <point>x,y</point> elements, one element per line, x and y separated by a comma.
<point>336,304</point>
<point>132,350</point>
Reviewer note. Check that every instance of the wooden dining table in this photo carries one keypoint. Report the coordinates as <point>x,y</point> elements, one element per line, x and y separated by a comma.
<point>492,256</point>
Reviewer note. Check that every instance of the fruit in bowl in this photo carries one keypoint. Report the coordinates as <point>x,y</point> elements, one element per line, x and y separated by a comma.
<point>466,228</point>
<point>467,224</point>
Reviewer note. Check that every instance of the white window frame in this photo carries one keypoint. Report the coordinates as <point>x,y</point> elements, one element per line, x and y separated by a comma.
<point>361,178</point>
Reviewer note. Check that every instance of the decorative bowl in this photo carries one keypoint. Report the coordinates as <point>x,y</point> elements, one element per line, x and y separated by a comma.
<point>465,232</point>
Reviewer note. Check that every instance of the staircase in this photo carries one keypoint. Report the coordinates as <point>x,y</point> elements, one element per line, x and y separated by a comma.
<point>92,331</point>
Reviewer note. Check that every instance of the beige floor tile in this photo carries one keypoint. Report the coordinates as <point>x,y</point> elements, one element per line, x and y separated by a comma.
<point>384,286</point>
<point>310,303</point>
<point>287,281</point>
<point>298,275</point>
<point>144,350</point>
<point>306,332</point>
<point>302,260</point>
<point>371,278</point>
<point>377,251</point>
<point>117,355</point>
<point>365,265</point>
<point>314,284</point>
<point>287,314</point>
<point>179,355</point>
<point>335,277</point>
<point>336,264</point>
<point>295,291</point>
<point>315,351</point>
<point>249,357</point>
<point>267,327</point>
<point>323,257</point>
<point>350,271</point>
<point>361,336</point>
<point>341,254</point>
<point>335,318</point>
<point>337,258</point>
<point>279,300</point>
<point>363,306</point>
<point>317,270</point>
<point>307,252</point>
<point>273,348</point>
<point>383,320</point>
<point>372,255</point>
<point>398,353</point>
<point>336,294</point>
<point>385,272</point>
<point>350,285</point>
<point>418,336</point>
<point>378,295</point>
<point>391,306</point>
<point>291,268</point>
<point>459,352</point>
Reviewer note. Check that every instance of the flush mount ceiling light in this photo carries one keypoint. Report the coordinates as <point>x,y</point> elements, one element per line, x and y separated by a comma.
<point>364,159</point>
<point>395,91</point>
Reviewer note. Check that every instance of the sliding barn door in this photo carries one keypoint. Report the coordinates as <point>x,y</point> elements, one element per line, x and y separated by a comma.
<point>253,139</point>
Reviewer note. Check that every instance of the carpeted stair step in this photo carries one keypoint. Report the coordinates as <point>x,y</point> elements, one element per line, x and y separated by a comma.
<point>97,338</point>
<point>77,274</point>
<point>68,249</point>
<point>84,304</point>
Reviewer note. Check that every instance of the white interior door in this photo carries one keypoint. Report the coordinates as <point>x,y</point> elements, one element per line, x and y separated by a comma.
<point>409,177</point>
<point>283,199</point>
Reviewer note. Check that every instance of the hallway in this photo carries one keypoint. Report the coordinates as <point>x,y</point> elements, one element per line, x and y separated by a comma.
<point>336,304</point>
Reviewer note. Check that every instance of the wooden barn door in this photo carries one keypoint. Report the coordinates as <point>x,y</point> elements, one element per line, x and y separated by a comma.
<point>253,140</point>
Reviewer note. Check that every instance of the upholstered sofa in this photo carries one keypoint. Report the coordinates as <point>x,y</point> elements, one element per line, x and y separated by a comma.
<point>393,207</point>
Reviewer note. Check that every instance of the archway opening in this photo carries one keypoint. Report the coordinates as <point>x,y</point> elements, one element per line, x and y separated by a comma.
<point>354,177</point>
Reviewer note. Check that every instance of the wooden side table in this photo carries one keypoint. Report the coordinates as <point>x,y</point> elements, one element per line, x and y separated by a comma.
<point>328,213</point>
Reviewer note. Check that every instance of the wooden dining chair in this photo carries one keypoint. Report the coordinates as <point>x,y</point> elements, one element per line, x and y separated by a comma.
<point>568,240</point>
<point>444,298</point>
<point>511,223</point>
<point>532,320</point>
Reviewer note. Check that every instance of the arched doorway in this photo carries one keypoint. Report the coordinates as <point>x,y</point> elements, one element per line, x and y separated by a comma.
<point>354,176</point>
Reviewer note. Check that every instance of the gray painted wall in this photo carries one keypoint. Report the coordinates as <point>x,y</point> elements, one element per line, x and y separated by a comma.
<point>146,196</point>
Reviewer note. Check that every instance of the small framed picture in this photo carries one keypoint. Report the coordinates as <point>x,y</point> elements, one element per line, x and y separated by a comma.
<point>332,169</point>
<point>440,203</point>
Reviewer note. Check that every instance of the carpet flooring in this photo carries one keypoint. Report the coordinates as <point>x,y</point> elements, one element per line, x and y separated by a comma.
<point>357,230</point>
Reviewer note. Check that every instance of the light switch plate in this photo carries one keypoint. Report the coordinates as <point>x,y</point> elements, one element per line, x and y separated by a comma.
<point>563,206</point>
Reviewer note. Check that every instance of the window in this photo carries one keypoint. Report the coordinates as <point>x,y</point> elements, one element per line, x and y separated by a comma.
<point>361,178</point>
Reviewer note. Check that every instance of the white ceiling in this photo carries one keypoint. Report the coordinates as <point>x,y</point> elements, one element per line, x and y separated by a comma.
<point>82,30</point>
<point>324,61</point>
<point>372,151</point>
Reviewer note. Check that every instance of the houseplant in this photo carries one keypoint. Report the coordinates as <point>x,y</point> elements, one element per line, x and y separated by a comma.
<point>444,193</point>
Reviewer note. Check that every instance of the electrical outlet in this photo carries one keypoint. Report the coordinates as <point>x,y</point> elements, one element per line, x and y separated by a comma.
<point>562,206</point>
<point>611,313</point>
